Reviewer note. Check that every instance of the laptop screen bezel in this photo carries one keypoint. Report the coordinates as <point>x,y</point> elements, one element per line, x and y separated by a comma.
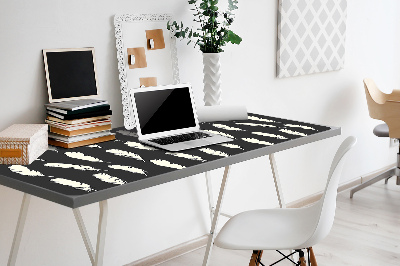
<point>141,136</point>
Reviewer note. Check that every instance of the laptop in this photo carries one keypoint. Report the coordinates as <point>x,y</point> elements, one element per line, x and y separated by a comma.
<point>166,118</point>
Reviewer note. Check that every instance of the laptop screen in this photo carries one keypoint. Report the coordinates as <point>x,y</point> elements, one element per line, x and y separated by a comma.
<point>164,110</point>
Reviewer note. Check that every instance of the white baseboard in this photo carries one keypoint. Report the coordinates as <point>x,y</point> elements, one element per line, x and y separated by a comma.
<point>172,252</point>
<point>200,242</point>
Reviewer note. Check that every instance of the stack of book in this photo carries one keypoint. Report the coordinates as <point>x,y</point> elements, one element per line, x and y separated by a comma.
<point>79,123</point>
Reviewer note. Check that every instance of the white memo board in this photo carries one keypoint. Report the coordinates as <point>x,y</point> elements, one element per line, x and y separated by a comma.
<point>130,32</point>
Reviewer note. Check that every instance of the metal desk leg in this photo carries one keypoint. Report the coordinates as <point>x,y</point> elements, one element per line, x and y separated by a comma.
<point>277,182</point>
<point>19,229</point>
<point>101,233</point>
<point>215,217</point>
<point>95,258</point>
<point>278,187</point>
<point>210,195</point>
<point>85,236</point>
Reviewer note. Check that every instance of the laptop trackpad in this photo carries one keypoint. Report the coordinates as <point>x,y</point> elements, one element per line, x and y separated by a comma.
<point>197,142</point>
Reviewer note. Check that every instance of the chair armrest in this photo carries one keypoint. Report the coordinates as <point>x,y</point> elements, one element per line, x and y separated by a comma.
<point>394,96</point>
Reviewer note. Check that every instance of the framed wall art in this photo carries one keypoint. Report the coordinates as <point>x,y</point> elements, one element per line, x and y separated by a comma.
<point>311,36</point>
<point>146,53</point>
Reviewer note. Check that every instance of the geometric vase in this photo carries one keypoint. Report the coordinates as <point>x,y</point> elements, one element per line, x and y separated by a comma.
<point>211,80</point>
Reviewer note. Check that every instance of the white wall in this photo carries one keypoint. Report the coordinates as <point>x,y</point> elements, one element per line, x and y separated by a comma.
<point>145,222</point>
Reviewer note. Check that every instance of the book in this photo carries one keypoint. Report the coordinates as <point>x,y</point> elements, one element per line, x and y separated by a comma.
<point>69,127</point>
<point>77,104</point>
<point>79,111</point>
<point>78,121</point>
<point>81,143</point>
<point>77,138</point>
<point>79,116</point>
<point>82,131</point>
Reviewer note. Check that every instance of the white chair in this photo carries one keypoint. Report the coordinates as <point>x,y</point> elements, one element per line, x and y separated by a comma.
<point>287,229</point>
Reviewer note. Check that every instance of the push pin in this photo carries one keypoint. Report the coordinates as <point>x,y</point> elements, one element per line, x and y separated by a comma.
<point>132,59</point>
<point>151,43</point>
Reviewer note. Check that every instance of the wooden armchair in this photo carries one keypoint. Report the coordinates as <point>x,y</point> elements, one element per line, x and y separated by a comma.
<point>385,107</point>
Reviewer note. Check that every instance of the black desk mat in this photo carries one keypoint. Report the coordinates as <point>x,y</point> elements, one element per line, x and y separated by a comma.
<point>98,167</point>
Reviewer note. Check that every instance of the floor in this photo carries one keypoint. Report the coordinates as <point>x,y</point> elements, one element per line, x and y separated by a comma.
<point>366,232</point>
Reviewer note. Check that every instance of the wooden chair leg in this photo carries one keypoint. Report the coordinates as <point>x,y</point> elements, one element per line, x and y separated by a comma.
<point>254,261</point>
<point>313,260</point>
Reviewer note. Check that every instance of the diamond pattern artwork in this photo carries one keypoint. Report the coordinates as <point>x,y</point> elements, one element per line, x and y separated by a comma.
<point>311,36</point>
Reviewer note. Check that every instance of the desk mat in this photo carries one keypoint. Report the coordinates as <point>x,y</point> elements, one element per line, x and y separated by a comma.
<point>105,165</point>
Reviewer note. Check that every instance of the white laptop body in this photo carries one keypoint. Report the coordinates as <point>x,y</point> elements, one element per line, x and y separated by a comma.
<point>164,113</point>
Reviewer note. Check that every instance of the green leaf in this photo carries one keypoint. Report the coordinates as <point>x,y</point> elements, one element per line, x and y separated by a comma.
<point>204,5</point>
<point>233,38</point>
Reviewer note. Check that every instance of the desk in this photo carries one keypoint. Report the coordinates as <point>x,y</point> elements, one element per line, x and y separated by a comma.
<point>95,173</point>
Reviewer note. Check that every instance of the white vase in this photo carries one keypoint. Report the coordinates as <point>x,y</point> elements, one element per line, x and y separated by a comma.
<point>212,75</point>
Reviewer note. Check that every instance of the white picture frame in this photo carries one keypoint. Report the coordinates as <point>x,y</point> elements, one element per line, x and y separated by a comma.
<point>163,64</point>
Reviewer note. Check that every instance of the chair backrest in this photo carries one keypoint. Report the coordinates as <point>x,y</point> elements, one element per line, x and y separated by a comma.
<point>382,106</point>
<point>327,203</point>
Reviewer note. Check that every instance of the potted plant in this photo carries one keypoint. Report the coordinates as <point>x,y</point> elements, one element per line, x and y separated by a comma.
<point>212,35</point>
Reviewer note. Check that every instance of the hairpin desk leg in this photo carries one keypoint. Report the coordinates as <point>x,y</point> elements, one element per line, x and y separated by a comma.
<point>19,229</point>
<point>215,217</point>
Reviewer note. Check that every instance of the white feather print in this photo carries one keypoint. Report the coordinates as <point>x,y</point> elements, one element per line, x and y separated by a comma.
<point>259,119</point>
<point>231,146</point>
<point>255,125</point>
<point>186,156</point>
<point>214,152</point>
<point>73,166</point>
<point>269,135</point>
<point>81,156</point>
<point>109,179</point>
<point>128,169</point>
<point>291,132</point>
<point>94,146</point>
<point>165,163</point>
<point>300,126</point>
<point>139,146</point>
<point>219,133</point>
<point>227,127</point>
<point>23,170</point>
<point>74,184</point>
<point>125,154</point>
<point>257,141</point>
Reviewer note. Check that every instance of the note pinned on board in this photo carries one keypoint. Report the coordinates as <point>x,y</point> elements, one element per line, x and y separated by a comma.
<point>138,55</point>
<point>148,82</point>
<point>155,39</point>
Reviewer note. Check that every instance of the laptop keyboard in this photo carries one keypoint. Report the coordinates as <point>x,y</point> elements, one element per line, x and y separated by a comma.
<point>180,138</point>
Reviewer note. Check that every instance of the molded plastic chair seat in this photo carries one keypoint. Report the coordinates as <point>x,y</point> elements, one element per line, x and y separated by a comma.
<point>381,130</point>
<point>269,229</point>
